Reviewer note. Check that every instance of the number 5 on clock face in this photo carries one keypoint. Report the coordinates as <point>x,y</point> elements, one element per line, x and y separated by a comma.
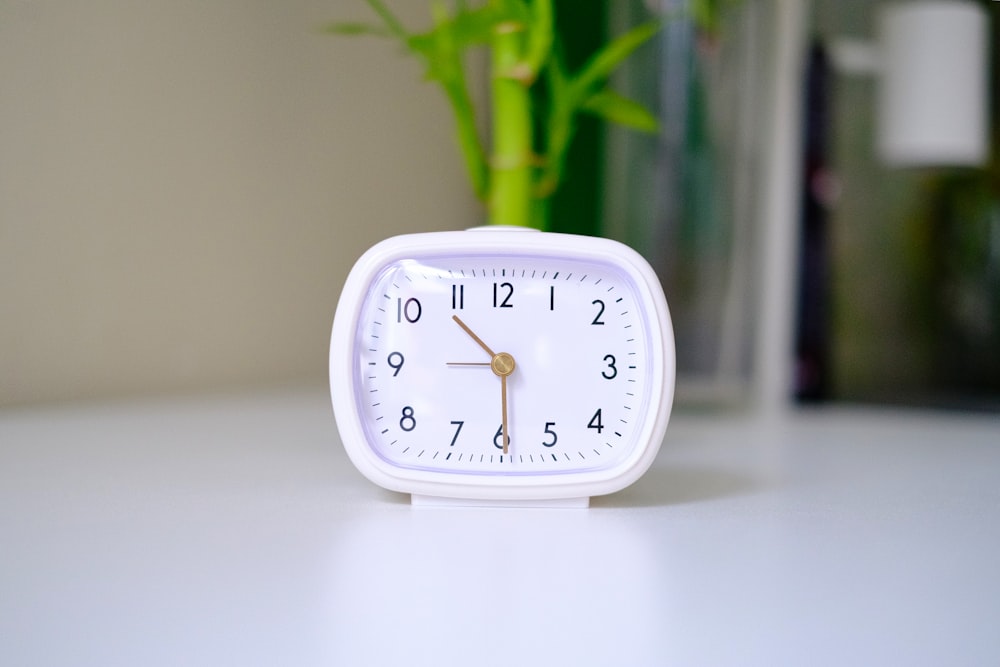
<point>503,365</point>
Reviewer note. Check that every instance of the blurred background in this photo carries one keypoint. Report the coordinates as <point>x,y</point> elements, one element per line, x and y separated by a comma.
<point>185,185</point>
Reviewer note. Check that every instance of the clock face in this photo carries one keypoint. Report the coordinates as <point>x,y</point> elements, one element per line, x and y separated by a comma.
<point>515,365</point>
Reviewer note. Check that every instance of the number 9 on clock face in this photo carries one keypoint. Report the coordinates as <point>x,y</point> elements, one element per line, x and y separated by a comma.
<point>502,364</point>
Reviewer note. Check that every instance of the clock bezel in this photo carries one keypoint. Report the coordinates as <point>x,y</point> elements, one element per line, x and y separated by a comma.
<point>515,242</point>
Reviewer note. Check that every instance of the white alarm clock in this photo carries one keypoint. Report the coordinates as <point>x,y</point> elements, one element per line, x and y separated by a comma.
<point>502,366</point>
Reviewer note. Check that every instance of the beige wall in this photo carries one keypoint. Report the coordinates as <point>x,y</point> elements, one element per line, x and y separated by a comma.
<point>185,184</point>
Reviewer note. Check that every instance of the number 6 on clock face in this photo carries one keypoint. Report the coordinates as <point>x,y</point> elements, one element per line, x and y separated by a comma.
<point>502,366</point>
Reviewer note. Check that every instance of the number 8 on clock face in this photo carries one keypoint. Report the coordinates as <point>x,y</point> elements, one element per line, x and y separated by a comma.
<point>501,365</point>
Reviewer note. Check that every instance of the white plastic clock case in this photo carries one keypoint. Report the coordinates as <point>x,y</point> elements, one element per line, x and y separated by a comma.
<point>562,489</point>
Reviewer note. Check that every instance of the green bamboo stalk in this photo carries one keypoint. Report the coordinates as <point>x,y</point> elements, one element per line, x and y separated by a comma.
<point>516,183</point>
<point>510,201</point>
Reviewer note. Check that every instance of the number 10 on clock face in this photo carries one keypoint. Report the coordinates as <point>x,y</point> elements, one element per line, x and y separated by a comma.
<point>531,365</point>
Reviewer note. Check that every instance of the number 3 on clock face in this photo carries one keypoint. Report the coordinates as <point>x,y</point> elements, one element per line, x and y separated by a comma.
<point>502,366</point>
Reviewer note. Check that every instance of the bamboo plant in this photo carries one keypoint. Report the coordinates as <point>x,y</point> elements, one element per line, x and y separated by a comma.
<point>535,99</point>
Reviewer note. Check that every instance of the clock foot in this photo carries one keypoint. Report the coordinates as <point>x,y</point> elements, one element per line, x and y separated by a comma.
<point>437,501</point>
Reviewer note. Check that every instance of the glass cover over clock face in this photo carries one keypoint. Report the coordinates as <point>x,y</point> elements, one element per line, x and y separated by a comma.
<point>503,366</point>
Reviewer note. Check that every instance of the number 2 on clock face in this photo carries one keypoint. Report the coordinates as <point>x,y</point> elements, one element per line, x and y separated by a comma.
<point>453,352</point>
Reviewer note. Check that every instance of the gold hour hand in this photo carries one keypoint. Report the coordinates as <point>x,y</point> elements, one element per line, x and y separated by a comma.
<point>474,336</point>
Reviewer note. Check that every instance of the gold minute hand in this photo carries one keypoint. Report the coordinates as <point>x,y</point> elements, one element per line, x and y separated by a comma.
<point>502,366</point>
<point>503,407</point>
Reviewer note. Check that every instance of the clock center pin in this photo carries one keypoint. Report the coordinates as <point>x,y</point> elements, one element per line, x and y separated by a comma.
<point>502,364</point>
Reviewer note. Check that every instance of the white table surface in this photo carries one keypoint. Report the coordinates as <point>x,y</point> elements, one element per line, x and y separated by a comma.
<point>234,531</point>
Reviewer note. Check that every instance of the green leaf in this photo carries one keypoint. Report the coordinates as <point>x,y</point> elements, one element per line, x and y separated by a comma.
<point>445,64</point>
<point>390,20</point>
<point>441,49</point>
<point>603,63</point>
<point>559,128</point>
<point>466,28</point>
<point>540,38</point>
<point>475,27</point>
<point>556,77</point>
<point>611,106</point>
<point>351,29</point>
<point>513,10</point>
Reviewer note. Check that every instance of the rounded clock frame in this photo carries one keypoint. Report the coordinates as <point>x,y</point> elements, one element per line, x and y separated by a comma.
<point>507,483</point>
